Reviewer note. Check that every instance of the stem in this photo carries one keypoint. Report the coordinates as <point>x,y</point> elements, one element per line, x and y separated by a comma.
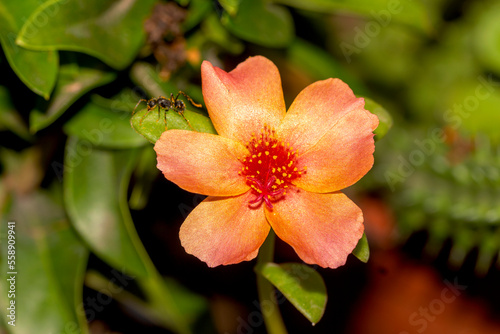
<point>268,304</point>
<point>158,294</point>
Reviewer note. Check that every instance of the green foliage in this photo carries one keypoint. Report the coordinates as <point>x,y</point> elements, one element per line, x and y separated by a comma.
<point>456,202</point>
<point>48,249</point>
<point>274,27</point>
<point>111,31</point>
<point>72,83</point>
<point>414,14</point>
<point>486,40</point>
<point>145,174</point>
<point>384,118</point>
<point>362,250</point>
<point>476,99</point>
<point>151,124</point>
<point>37,69</point>
<point>94,186</point>
<point>113,131</point>
<point>230,6</point>
<point>441,164</point>
<point>320,65</point>
<point>448,187</point>
<point>214,31</point>
<point>106,144</point>
<point>300,284</point>
<point>73,72</point>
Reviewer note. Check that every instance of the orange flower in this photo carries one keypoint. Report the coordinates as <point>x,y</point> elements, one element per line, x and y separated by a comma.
<point>271,168</point>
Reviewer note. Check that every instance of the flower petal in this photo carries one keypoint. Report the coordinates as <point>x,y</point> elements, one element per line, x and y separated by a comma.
<point>342,157</point>
<point>316,110</point>
<point>224,230</point>
<point>242,101</point>
<point>201,163</point>
<point>322,228</point>
<point>333,134</point>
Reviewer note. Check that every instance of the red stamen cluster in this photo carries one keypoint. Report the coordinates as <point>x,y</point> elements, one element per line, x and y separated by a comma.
<point>270,167</point>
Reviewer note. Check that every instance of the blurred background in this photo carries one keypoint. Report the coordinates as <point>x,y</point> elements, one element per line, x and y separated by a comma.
<point>96,225</point>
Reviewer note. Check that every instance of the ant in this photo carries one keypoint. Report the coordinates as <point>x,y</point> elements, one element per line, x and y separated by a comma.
<point>173,103</point>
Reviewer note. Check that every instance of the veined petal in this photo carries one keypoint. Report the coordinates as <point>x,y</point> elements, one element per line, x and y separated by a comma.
<point>201,163</point>
<point>242,101</point>
<point>316,110</point>
<point>332,132</point>
<point>342,156</point>
<point>322,228</point>
<point>224,230</point>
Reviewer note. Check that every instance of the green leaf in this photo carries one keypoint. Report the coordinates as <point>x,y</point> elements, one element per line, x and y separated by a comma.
<point>151,124</point>
<point>95,188</point>
<point>50,262</point>
<point>382,12</point>
<point>300,284</point>
<point>230,6</point>
<point>215,32</point>
<point>486,40</point>
<point>261,23</point>
<point>488,248</point>
<point>384,118</point>
<point>104,127</point>
<point>72,84</point>
<point>183,2</point>
<point>37,70</point>
<point>362,250</point>
<point>109,30</point>
<point>463,242</point>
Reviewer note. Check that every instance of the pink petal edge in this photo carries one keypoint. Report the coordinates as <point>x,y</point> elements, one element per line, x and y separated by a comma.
<point>201,163</point>
<point>224,230</point>
<point>242,101</point>
<point>323,229</point>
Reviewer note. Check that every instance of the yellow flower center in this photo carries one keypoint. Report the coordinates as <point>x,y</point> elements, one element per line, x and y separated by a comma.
<point>270,167</point>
